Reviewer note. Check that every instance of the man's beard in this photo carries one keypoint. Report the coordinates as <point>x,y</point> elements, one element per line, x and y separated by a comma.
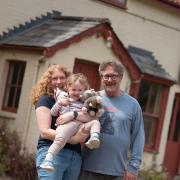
<point>111,89</point>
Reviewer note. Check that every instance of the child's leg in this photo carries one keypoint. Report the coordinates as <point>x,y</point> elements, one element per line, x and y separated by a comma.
<point>63,134</point>
<point>94,127</point>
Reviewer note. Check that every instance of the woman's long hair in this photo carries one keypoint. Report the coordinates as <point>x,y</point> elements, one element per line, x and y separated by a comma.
<point>44,86</point>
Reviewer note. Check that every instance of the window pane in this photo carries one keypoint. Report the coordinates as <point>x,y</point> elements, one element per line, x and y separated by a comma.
<point>10,98</point>
<point>14,70</point>
<point>13,85</point>
<point>154,98</point>
<point>177,127</point>
<point>143,94</point>
<point>22,69</point>
<point>150,97</point>
<point>17,97</point>
<point>150,128</point>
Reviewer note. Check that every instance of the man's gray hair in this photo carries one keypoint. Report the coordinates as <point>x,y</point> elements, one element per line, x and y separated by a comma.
<point>117,66</point>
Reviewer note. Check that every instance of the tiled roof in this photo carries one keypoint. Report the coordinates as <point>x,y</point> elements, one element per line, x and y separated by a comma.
<point>49,30</point>
<point>147,63</point>
<point>27,25</point>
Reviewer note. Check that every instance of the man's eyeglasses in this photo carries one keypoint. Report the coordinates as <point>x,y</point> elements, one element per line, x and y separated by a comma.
<point>111,76</point>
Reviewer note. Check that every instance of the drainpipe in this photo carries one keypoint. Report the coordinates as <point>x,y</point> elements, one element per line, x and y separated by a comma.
<point>39,61</point>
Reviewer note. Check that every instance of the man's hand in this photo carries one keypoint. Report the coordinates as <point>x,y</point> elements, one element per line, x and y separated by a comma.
<point>129,176</point>
<point>64,118</point>
<point>82,134</point>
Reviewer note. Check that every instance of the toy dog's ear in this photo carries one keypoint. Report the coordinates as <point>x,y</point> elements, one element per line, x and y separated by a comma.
<point>99,99</point>
<point>82,98</point>
<point>92,91</point>
<point>84,110</point>
<point>98,93</point>
<point>61,94</point>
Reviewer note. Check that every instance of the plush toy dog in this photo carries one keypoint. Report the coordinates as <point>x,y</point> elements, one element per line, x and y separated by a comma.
<point>92,103</point>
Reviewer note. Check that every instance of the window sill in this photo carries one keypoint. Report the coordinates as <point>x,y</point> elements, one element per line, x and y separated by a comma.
<point>7,115</point>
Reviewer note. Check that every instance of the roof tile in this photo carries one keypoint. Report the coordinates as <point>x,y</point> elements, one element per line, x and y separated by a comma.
<point>147,63</point>
<point>49,30</point>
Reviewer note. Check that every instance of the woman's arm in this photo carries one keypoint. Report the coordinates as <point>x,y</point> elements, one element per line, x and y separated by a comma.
<point>44,119</point>
<point>44,124</point>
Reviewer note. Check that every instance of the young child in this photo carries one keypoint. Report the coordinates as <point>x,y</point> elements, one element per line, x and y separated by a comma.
<point>76,85</point>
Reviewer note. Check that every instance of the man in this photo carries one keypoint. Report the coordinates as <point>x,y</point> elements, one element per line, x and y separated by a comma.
<point>122,132</point>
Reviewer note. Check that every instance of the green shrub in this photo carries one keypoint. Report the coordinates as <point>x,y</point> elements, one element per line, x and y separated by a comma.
<point>152,174</point>
<point>12,162</point>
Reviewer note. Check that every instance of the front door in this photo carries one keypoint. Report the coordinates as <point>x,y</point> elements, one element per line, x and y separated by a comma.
<point>172,155</point>
<point>90,69</point>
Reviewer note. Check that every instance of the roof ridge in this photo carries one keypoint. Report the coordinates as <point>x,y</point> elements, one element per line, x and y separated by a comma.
<point>78,18</point>
<point>33,22</point>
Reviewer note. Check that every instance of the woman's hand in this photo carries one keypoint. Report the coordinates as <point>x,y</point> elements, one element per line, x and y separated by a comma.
<point>64,118</point>
<point>80,136</point>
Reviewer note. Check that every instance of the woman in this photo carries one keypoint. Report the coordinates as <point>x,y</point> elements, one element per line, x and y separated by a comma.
<point>68,161</point>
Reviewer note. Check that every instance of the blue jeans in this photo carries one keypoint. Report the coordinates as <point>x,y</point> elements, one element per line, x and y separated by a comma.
<point>67,164</point>
<point>96,176</point>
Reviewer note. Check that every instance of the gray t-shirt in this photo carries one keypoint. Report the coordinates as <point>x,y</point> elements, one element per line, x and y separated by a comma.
<point>122,130</point>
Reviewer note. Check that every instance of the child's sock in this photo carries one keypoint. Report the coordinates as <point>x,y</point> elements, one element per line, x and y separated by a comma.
<point>93,142</point>
<point>47,164</point>
<point>94,135</point>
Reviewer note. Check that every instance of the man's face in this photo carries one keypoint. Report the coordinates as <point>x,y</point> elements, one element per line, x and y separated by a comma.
<point>111,81</point>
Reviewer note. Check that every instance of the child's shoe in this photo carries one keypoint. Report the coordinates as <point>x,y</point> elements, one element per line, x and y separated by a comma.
<point>93,143</point>
<point>47,165</point>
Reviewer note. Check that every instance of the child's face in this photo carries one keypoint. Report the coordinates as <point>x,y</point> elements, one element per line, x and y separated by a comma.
<point>75,90</point>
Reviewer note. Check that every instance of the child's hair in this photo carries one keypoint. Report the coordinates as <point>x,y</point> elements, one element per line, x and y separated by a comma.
<point>79,77</point>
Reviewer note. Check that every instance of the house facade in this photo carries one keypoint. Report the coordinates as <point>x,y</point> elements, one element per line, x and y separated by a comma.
<point>145,38</point>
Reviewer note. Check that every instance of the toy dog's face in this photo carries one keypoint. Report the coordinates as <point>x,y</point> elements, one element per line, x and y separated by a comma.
<point>92,103</point>
<point>87,94</point>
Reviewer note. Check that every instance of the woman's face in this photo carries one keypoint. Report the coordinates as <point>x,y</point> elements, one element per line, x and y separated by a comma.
<point>58,79</point>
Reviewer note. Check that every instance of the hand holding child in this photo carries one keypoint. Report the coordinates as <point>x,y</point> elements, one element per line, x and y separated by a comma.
<point>64,118</point>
